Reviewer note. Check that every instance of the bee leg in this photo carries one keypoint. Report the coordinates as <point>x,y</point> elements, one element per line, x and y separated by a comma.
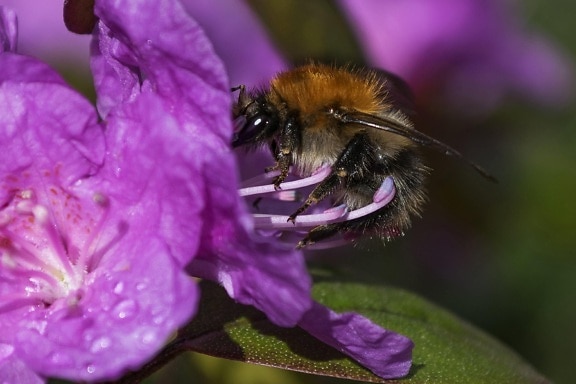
<point>319,233</point>
<point>282,165</point>
<point>321,191</point>
<point>290,137</point>
<point>348,163</point>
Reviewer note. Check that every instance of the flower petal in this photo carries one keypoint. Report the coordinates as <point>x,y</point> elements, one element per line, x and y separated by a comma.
<point>13,370</point>
<point>271,279</point>
<point>387,354</point>
<point>142,192</point>
<point>8,31</point>
<point>187,90</point>
<point>453,46</point>
<point>42,34</point>
<point>201,112</point>
<point>136,292</point>
<point>45,125</point>
<point>153,165</point>
<point>193,79</point>
<point>124,315</point>
<point>239,39</point>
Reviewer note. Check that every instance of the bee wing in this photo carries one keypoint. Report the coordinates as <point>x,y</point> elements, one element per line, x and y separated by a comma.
<point>395,124</point>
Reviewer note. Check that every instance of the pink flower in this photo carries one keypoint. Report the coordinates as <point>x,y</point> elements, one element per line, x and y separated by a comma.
<point>99,218</point>
<point>101,212</point>
<point>473,53</point>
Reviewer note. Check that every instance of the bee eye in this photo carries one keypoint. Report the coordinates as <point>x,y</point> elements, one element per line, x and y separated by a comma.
<point>247,130</point>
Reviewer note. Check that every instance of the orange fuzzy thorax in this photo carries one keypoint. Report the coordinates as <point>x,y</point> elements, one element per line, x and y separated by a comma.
<point>316,87</point>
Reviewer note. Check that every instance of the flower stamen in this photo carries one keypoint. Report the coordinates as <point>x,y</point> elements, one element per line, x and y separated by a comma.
<point>278,226</point>
<point>48,243</point>
<point>250,190</point>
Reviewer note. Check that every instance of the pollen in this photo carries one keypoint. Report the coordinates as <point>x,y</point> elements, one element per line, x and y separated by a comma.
<point>26,194</point>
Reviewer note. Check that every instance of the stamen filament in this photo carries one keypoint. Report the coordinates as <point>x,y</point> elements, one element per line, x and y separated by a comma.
<point>262,221</point>
<point>11,302</point>
<point>333,215</point>
<point>285,230</point>
<point>296,184</point>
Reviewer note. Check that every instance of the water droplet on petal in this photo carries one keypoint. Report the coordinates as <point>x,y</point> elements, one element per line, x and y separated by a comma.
<point>6,350</point>
<point>91,369</point>
<point>148,336</point>
<point>119,288</point>
<point>58,358</point>
<point>141,286</point>
<point>125,309</point>
<point>100,344</point>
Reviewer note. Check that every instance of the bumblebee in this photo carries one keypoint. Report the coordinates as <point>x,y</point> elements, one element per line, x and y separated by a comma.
<point>359,122</point>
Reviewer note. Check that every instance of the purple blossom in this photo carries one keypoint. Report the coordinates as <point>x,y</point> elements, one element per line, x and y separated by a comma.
<point>243,45</point>
<point>98,219</point>
<point>473,53</point>
<point>386,353</point>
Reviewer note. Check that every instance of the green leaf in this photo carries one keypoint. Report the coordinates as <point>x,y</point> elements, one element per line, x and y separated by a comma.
<point>448,349</point>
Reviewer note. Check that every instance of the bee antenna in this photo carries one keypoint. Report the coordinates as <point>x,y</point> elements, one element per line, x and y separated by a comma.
<point>397,127</point>
<point>449,151</point>
<point>244,101</point>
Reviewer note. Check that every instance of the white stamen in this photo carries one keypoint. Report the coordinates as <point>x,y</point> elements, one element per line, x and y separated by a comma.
<point>26,194</point>
<point>267,188</point>
<point>282,225</point>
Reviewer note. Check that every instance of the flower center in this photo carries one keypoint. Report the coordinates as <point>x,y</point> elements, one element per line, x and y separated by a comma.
<point>45,239</point>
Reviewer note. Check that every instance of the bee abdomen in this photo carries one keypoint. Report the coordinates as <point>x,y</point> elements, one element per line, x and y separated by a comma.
<point>408,173</point>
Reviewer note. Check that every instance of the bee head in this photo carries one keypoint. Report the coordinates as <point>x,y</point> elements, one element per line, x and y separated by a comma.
<point>249,130</point>
<point>254,121</point>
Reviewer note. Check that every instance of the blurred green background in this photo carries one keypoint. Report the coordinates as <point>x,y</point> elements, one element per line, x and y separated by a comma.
<point>502,256</point>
